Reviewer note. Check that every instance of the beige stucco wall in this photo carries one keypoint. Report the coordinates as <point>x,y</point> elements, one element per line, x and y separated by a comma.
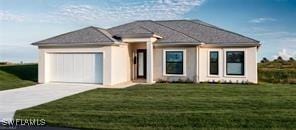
<point>133,52</point>
<point>250,65</point>
<point>120,64</point>
<point>190,73</point>
<point>43,68</point>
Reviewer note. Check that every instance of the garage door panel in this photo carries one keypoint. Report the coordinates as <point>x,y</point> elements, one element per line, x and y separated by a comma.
<point>60,68</point>
<point>89,69</point>
<point>82,68</point>
<point>99,69</point>
<point>67,65</point>
<point>77,64</point>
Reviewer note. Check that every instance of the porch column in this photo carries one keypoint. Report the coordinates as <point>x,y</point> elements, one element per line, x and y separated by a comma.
<point>149,47</point>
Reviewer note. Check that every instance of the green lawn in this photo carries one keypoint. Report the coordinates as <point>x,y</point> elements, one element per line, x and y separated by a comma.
<point>173,106</point>
<point>9,81</point>
<point>16,76</point>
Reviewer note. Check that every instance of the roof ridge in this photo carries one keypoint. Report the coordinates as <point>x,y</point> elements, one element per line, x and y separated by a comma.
<point>176,31</point>
<point>139,26</point>
<point>122,25</point>
<point>215,27</point>
<point>105,33</point>
<point>169,20</point>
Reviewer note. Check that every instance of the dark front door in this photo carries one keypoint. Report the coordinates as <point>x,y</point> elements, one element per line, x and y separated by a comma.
<point>141,63</point>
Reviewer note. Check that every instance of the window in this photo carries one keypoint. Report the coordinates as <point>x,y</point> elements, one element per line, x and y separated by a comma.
<point>235,63</point>
<point>214,63</point>
<point>174,62</point>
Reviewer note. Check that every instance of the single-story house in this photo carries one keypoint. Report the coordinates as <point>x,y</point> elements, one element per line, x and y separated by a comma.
<point>150,51</point>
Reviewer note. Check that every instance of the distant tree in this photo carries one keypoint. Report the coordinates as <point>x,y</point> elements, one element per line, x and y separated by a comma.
<point>291,59</point>
<point>264,60</point>
<point>279,59</point>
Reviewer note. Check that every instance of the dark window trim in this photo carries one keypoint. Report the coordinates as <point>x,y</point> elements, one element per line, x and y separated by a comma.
<point>214,62</point>
<point>243,62</point>
<point>182,62</point>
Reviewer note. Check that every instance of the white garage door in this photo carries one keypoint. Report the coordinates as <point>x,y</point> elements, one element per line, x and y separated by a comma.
<point>76,67</point>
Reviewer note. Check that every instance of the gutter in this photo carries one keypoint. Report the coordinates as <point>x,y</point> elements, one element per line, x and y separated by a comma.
<point>231,45</point>
<point>78,44</point>
<point>177,44</point>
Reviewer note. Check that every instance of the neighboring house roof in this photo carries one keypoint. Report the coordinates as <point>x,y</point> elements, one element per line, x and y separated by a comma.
<point>170,31</point>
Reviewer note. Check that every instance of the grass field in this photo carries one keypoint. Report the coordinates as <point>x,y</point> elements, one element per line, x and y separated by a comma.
<point>173,106</point>
<point>277,72</point>
<point>16,76</point>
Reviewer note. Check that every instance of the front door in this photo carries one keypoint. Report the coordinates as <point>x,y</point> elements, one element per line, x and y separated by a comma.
<point>141,63</point>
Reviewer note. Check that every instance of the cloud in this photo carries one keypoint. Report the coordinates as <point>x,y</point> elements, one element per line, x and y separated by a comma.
<point>125,11</point>
<point>262,20</point>
<point>285,54</point>
<point>7,16</point>
<point>79,12</point>
<point>279,38</point>
<point>276,34</point>
<point>273,40</point>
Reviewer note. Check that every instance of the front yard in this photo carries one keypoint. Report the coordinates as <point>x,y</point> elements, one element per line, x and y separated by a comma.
<point>9,81</point>
<point>173,106</point>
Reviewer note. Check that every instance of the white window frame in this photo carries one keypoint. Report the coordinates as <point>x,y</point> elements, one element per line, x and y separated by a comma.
<point>164,62</point>
<point>245,62</point>
<point>219,63</point>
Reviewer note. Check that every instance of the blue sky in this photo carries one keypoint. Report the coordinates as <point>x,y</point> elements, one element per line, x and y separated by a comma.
<point>25,21</point>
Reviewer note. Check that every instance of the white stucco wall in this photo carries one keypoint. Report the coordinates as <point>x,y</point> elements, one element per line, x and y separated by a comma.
<point>43,63</point>
<point>250,65</point>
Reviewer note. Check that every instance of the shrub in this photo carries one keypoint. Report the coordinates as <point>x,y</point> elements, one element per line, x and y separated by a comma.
<point>25,72</point>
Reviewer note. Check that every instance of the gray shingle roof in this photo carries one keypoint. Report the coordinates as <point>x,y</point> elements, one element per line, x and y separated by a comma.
<point>205,32</point>
<point>85,35</point>
<point>186,31</point>
<point>171,31</point>
<point>167,34</point>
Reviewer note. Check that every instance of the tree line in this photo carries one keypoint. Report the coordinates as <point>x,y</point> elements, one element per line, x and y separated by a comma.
<point>278,59</point>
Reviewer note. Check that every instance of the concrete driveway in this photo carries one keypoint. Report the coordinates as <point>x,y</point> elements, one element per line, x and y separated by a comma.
<point>21,98</point>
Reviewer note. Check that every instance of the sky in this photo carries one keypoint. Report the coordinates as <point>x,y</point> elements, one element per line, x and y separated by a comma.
<point>23,22</point>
